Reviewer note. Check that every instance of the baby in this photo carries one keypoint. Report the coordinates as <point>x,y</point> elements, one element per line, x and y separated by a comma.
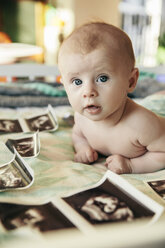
<point>97,67</point>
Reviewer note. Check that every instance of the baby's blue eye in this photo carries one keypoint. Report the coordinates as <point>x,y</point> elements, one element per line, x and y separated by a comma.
<point>77,81</point>
<point>102,79</point>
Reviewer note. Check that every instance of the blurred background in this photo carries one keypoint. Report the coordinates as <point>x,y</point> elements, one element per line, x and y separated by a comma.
<point>43,24</point>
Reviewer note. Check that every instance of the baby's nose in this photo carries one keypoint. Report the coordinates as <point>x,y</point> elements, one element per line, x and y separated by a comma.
<point>90,91</point>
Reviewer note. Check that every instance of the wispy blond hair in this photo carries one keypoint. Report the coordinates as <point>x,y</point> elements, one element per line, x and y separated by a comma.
<point>93,35</point>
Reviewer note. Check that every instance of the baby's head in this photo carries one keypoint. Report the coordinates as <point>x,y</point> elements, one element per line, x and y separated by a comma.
<point>99,35</point>
<point>97,68</point>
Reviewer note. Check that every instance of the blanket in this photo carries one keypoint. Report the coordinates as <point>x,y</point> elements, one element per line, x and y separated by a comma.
<point>56,174</point>
<point>54,168</point>
<point>32,94</point>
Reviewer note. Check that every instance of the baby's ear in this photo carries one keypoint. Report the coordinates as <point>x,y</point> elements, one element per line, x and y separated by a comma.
<point>133,79</point>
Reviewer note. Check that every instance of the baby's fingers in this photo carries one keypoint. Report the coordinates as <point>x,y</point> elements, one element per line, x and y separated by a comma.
<point>108,160</point>
<point>80,158</point>
<point>91,156</point>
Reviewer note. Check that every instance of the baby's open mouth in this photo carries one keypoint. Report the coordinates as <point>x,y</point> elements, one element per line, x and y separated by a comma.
<point>93,109</point>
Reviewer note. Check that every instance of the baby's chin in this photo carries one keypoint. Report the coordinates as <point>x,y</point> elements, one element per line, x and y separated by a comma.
<point>93,117</point>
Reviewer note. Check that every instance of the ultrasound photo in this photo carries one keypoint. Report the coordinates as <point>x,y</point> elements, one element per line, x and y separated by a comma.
<point>10,126</point>
<point>16,174</point>
<point>40,123</point>
<point>107,203</point>
<point>43,122</point>
<point>41,217</point>
<point>10,178</point>
<point>158,187</point>
<point>25,146</point>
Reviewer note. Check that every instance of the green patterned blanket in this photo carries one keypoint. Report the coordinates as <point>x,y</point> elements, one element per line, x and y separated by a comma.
<point>55,172</point>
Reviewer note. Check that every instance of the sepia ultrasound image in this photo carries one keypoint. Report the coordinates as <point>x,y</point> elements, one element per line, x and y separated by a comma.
<point>9,126</point>
<point>158,187</point>
<point>40,123</point>
<point>41,217</point>
<point>107,203</point>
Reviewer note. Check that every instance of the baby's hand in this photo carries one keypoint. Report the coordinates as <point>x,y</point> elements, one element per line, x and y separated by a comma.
<point>118,164</point>
<point>86,155</point>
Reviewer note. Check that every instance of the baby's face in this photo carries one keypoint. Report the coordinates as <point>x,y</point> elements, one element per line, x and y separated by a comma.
<point>96,83</point>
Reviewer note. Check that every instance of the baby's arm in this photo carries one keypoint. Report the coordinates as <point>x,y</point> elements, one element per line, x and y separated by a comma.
<point>84,152</point>
<point>152,138</point>
<point>149,162</point>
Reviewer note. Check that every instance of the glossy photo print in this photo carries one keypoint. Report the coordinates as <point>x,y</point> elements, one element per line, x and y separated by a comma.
<point>159,187</point>
<point>27,145</point>
<point>10,126</point>
<point>111,200</point>
<point>107,203</point>
<point>40,123</point>
<point>45,122</point>
<point>43,218</point>
<point>16,174</point>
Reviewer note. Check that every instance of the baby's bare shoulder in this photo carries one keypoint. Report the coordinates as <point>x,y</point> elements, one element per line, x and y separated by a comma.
<point>147,125</point>
<point>139,116</point>
<point>146,117</point>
